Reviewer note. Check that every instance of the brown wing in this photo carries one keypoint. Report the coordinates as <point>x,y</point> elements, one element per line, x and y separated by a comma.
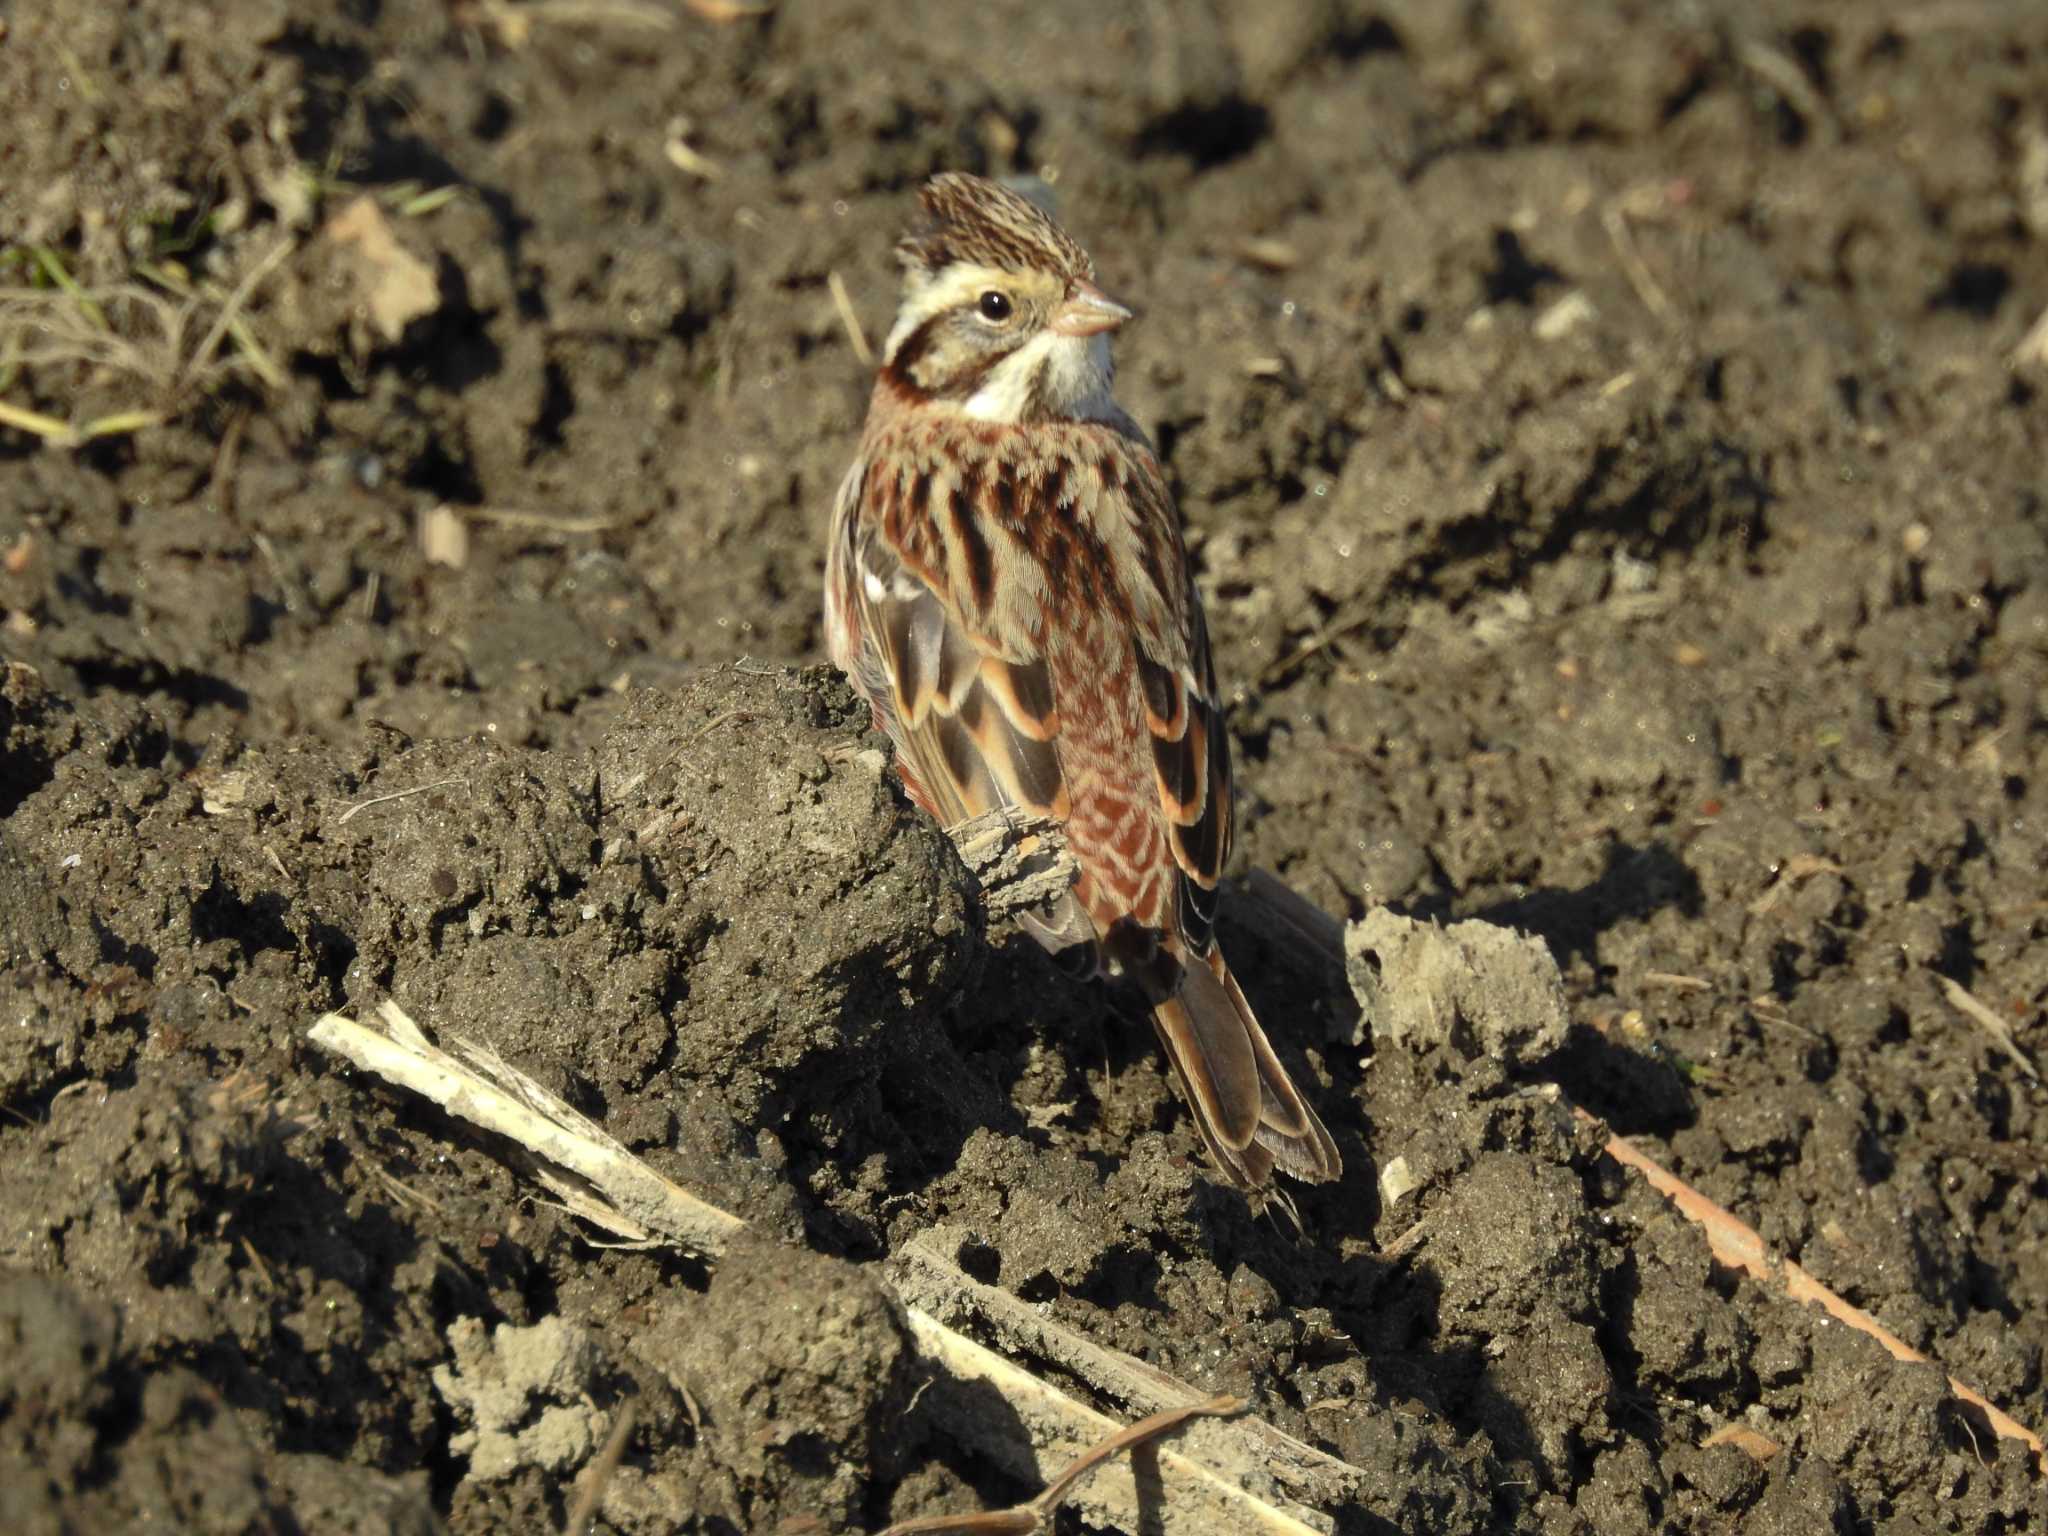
<point>973,721</point>
<point>1183,716</point>
<point>978,729</point>
<point>1191,758</point>
<point>975,729</point>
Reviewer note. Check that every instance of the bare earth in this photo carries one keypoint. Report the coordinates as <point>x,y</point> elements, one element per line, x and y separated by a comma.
<point>1614,450</point>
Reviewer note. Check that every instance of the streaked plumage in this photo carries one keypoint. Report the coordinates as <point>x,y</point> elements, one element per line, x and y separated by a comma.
<point>1007,585</point>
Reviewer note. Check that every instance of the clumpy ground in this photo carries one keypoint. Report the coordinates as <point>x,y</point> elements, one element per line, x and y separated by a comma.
<point>1611,444</point>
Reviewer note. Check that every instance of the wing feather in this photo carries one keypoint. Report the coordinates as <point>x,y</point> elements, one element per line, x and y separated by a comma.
<point>1191,760</point>
<point>978,730</point>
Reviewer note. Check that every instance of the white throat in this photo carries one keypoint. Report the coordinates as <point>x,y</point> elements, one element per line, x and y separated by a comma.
<point>1069,375</point>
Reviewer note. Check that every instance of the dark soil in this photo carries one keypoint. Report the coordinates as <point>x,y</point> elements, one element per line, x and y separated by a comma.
<point>1610,450</point>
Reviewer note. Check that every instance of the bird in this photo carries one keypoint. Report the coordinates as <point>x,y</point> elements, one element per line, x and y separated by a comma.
<point>1008,587</point>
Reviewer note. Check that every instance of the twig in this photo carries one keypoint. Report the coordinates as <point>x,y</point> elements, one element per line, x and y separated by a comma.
<point>1676,981</point>
<point>1407,1240</point>
<point>1021,1519</point>
<point>1736,1245</point>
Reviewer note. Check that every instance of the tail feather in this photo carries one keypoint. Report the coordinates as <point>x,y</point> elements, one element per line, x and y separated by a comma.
<point>1249,1112</point>
<point>1216,1062</point>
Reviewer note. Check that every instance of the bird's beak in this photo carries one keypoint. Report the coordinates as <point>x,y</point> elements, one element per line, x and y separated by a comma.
<point>1088,311</point>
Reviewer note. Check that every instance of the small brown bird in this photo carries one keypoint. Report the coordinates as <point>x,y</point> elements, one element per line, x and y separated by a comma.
<point>1007,586</point>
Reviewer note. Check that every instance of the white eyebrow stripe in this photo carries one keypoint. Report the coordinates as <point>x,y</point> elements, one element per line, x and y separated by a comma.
<point>950,289</point>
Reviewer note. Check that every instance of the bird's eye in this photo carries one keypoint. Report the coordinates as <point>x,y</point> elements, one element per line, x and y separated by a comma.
<point>994,306</point>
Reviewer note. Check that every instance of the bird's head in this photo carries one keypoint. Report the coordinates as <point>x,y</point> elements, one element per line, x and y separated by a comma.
<point>1001,318</point>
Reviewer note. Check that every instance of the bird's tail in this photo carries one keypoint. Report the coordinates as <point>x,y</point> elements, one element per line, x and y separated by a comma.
<point>1247,1108</point>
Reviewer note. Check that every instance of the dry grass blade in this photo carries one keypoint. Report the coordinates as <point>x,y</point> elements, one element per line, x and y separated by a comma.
<point>1206,1487</point>
<point>1615,218</point>
<point>598,1473</point>
<point>521,1110</point>
<point>643,14</point>
<point>1021,1521</point>
<point>1778,71</point>
<point>1960,999</point>
<point>1269,254</point>
<point>843,302</point>
<point>48,428</point>
<point>398,794</point>
<point>547,522</point>
<point>417,205</point>
<point>692,162</point>
<point>119,424</point>
<point>1677,982</point>
<point>133,331</point>
<point>62,434</point>
<point>52,266</point>
<point>230,318</point>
